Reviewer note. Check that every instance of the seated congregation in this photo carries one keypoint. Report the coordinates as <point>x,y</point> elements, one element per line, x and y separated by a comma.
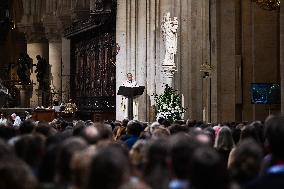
<point>135,155</point>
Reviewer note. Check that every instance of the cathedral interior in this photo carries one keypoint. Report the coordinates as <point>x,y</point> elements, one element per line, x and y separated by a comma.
<point>52,51</point>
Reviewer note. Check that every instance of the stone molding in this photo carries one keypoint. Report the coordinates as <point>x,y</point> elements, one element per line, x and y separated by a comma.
<point>33,33</point>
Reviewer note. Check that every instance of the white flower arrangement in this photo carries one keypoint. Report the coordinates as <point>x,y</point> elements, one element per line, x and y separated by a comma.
<point>169,105</point>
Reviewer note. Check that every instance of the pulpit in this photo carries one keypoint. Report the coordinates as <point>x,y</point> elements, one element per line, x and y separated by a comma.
<point>130,93</point>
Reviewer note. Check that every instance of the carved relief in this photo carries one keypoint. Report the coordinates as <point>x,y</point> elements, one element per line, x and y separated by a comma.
<point>95,72</point>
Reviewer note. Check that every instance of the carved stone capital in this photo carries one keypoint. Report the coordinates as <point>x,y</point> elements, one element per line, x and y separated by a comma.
<point>34,33</point>
<point>53,28</point>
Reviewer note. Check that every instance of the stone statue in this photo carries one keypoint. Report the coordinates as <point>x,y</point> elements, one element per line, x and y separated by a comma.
<point>24,68</point>
<point>42,70</point>
<point>169,31</point>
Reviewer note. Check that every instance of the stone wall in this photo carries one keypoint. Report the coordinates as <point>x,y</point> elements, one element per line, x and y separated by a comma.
<point>142,50</point>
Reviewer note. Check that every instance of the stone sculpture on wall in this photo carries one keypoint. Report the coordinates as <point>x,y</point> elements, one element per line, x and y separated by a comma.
<point>24,69</point>
<point>169,30</point>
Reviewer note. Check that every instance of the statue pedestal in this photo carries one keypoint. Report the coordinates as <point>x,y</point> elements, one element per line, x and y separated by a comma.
<point>25,95</point>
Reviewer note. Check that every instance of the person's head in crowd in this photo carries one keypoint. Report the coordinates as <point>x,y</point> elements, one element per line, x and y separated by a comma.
<point>144,125</point>
<point>5,150</point>
<point>3,119</point>
<point>182,147</point>
<point>246,162</point>
<point>80,165</point>
<point>161,132</point>
<point>177,128</point>
<point>199,124</point>
<point>211,133</point>
<point>78,127</point>
<point>134,128</point>
<point>160,120</point>
<point>30,148</point>
<point>166,123</point>
<point>236,134</point>
<point>27,127</point>
<point>6,133</point>
<point>63,161</point>
<point>28,115</point>
<point>13,116</point>
<point>145,135</point>
<point>63,124</point>
<point>208,170</point>
<point>124,122</point>
<point>89,123</point>
<point>152,127</point>
<point>274,133</point>
<point>104,131</point>
<point>156,167</point>
<point>190,123</point>
<point>224,140</point>
<point>136,157</point>
<point>250,132</point>
<point>2,115</point>
<point>15,174</point>
<point>109,169</point>
<point>204,138</point>
<point>224,143</point>
<point>47,168</point>
<point>90,134</point>
<point>259,127</point>
<point>179,122</point>
<point>45,129</point>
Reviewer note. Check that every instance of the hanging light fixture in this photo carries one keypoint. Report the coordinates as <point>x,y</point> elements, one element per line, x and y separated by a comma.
<point>268,4</point>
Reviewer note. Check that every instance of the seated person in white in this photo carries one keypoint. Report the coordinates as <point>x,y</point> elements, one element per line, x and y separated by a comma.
<point>17,120</point>
<point>3,120</point>
<point>130,82</point>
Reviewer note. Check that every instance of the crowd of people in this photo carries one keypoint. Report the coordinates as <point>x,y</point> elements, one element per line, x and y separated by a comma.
<point>136,155</point>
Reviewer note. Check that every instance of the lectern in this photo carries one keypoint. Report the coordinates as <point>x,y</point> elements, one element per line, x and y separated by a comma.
<point>130,93</point>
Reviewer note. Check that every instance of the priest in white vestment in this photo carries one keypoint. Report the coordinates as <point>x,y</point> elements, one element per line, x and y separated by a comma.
<point>130,82</point>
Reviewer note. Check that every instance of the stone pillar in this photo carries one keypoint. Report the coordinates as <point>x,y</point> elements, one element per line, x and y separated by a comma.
<point>57,17</point>
<point>25,94</point>
<point>121,59</point>
<point>66,49</point>
<point>55,62</point>
<point>223,60</point>
<point>282,54</point>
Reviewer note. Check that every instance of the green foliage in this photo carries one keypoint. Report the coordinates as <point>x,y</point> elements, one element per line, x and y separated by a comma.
<point>169,105</point>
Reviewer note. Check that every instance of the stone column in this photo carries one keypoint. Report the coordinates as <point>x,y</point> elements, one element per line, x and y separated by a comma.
<point>282,54</point>
<point>66,49</point>
<point>55,61</point>
<point>53,32</point>
<point>223,59</point>
<point>56,18</point>
<point>25,95</point>
<point>121,60</point>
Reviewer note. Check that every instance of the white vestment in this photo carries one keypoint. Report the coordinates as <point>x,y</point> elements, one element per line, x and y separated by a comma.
<point>124,101</point>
